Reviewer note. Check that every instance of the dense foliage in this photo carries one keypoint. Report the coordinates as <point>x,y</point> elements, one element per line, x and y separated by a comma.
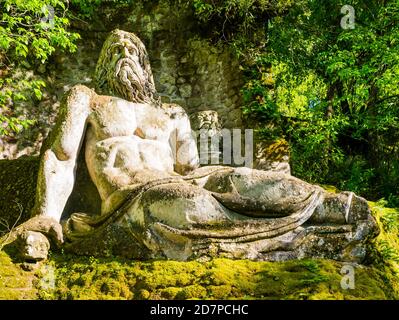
<point>351,132</point>
<point>332,91</point>
<point>30,31</point>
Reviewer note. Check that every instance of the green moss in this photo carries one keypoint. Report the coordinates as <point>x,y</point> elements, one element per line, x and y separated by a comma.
<point>330,188</point>
<point>17,190</point>
<point>15,284</point>
<point>274,150</point>
<point>86,278</point>
<point>219,292</point>
<point>170,293</point>
<point>192,292</point>
<point>384,249</point>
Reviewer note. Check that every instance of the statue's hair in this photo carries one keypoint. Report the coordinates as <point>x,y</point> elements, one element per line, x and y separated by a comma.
<point>118,74</point>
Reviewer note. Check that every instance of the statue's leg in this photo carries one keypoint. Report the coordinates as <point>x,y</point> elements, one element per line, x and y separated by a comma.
<point>260,193</point>
<point>272,194</point>
<point>341,208</point>
<point>179,205</point>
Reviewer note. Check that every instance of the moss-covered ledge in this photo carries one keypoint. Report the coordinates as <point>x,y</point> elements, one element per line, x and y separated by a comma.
<point>88,278</point>
<point>216,279</point>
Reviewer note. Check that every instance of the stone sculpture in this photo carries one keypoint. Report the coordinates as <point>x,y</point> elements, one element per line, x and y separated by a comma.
<point>156,202</point>
<point>208,130</point>
<point>272,156</point>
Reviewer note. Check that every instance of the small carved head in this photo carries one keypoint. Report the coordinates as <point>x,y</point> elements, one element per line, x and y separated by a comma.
<point>205,120</point>
<point>124,70</point>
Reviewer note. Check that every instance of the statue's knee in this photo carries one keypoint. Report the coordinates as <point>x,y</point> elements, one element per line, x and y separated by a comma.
<point>80,89</point>
<point>49,156</point>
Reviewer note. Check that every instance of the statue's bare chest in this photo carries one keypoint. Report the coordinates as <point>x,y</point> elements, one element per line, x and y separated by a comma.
<point>120,118</point>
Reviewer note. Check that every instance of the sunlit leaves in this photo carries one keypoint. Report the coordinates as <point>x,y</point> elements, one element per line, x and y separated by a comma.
<point>30,30</point>
<point>339,90</point>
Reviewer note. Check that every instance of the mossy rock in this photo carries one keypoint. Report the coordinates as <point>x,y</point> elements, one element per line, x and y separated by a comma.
<point>115,278</point>
<point>275,150</point>
<point>15,284</point>
<point>384,250</point>
<point>17,190</point>
<point>112,278</point>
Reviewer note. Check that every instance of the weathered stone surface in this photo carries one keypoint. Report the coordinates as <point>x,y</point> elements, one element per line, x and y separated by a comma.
<point>155,199</point>
<point>39,224</point>
<point>206,120</point>
<point>272,155</point>
<point>243,239</point>
<point>33,246</point>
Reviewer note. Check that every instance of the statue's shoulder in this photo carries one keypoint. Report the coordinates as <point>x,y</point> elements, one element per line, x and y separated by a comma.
<point>80,89</point>
<point>76,97</point>
<point>174,110</point>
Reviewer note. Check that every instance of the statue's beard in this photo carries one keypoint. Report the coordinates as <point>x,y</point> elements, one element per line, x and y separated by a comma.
<point>132,82</point>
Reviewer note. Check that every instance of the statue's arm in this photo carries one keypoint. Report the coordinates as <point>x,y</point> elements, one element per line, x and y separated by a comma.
<point>183,143</point>
<point>57,167</point>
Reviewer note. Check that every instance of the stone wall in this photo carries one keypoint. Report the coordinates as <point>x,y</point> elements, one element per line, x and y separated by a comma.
<point>188,70</point>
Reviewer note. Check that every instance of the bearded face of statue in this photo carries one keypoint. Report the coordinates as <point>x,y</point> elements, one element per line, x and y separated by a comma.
<point>123,69</point>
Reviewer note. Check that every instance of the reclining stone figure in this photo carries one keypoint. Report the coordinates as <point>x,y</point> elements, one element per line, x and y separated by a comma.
<point>156,202</point>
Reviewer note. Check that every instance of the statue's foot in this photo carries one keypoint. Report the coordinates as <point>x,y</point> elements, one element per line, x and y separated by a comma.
<point>346,208</point>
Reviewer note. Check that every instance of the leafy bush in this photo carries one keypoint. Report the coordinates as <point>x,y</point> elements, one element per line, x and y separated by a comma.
<point>332,93</point>
<point>86,9</point>
<point>30,31</point>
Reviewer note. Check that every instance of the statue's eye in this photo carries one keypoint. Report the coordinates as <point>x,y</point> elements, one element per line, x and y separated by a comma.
<point>132,51</point>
